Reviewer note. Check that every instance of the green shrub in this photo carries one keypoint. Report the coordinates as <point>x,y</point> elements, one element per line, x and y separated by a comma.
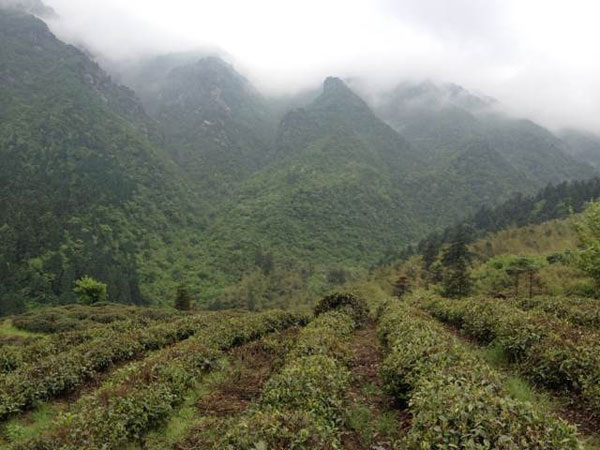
<point>279,429</point>
<point>183,299</point>
<point>549,351</point>
<point>90,291</point>
<point>143,395</point>
<point>67,370</point>
<point>456,399</point>
<point>358,308</point>
<point>301,407</point>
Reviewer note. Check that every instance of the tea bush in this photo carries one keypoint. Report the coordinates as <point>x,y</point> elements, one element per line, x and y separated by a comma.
<point>456,399</point>
<point>357,307</point>
<point>549,351</point>
<point>81,317</point>
<point>67,370</point>
<point>144,395</point>
<point>301,407</point>
<point>579,312</point>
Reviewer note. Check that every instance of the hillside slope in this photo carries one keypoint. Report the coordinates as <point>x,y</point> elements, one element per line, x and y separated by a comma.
<point>446,121</point>
<point>336,192</point>
<point>216,126</point>
<point>82,187</point>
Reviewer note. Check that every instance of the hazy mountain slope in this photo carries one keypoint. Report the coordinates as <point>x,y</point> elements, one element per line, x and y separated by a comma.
<point>444,121</point>
<point>82,188</point>
<point>217,127</point>
<point>335,194</point>
<point>583,146</point>
<point>553,202</point>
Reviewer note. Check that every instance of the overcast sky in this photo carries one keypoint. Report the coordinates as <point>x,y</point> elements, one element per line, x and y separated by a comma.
<point>540,58</point>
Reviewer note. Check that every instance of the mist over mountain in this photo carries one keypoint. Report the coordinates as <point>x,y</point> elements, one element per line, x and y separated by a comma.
<point>509,50</point>
<point>177,169</point>
<point>582,145</point>
<point>288,225</point>
<point>35,7</point>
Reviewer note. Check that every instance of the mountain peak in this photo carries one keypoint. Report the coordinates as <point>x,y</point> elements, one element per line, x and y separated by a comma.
<point>214,62</point>
<point>337,95</point>
<point>35,7</point>
<point>334,85</point>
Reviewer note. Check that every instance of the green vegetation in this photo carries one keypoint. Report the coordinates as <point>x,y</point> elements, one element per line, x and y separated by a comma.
<point>355,306</point>
<point>548,351</point>
<point>589,234</point>
<point>85,189</point>
<point>455,260</point>
<point>457,400</point>
<point>143,395</point>
<point>183,299</point>
<point>80,317</point>
<point>69,369</point>
<point>303,405</point>
<point>90,291</point>
<point>218,199</point>
<point>247,204</point>
<point>583,312</point>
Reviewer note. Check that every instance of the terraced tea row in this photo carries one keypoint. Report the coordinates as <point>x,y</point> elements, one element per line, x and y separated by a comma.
<point>549,351</point>
<point>65,371</point>
<point>302,406</point>
<point>456,399</point>
<point>578,312</point>
<point>80,317</point>
<point>34,352</point>
<point>142,396</point>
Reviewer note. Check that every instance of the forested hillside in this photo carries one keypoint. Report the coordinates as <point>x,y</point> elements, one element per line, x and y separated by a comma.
<point>582,145</point>
<point>245,199</point>
<point>553,202</point>
<point>481,150</point>
<point>217,127</point>
<point>83,183</point>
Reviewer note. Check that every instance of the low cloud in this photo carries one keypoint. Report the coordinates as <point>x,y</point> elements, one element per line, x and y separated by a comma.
<point>539,58</point>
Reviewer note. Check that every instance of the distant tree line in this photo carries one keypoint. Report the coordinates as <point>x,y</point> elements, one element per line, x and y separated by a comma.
<point>552,202</point>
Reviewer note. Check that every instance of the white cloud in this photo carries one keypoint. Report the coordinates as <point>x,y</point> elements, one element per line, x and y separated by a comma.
<point>539,57</point>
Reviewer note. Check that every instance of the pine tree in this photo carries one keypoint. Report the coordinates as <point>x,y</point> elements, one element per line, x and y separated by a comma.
<point>456,260</point>
<point>183,299</point>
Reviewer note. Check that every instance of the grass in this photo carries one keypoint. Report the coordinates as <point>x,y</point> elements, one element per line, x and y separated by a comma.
<point>28,426</point>
<point>360,419</point>
<point>7,329</point>
<point>520,389</point>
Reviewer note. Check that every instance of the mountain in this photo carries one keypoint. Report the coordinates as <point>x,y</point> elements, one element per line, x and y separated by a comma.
<point>555,201</point>
<point>83,188</point>
<point>446,120</point>
<point>337,192</point>
<point>582,145</point>
<point>35,7</point>
<point>216,126</point>
<point>198,179</point>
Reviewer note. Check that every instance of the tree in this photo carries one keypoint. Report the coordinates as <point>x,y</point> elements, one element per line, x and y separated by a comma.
<point>183,299</point>
<point>588,231</point>
<point>524,265</point>
<point>264,260</point>
<point>498,271</point>
<point>456,260</point>
<point>90,291</point>
<point>401,286</point>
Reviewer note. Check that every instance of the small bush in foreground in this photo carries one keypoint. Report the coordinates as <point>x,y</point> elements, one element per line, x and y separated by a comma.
<point>356,305</point>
